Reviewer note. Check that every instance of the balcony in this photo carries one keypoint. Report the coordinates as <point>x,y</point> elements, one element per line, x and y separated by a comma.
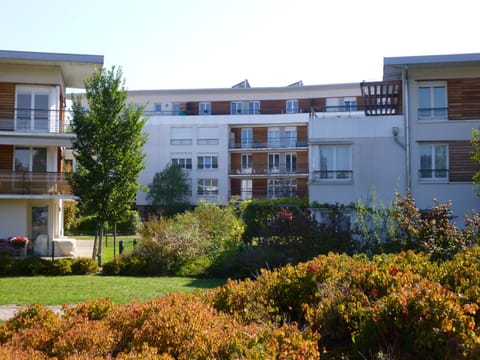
<point>331,175</point>
<point>271,171</point>
<point>277,143</point>
<point>264,193</point>
<point>33,183</point>
<point>382,98</point>
<point>33,120</point>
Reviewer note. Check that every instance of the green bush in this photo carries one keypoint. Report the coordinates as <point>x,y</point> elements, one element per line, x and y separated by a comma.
<point>83,266</point>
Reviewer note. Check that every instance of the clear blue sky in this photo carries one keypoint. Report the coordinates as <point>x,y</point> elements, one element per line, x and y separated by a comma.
<point>165,44</point>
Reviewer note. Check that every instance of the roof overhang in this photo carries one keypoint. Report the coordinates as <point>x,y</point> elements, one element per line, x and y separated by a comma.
<point>75,67</point>
<point>393,66</point>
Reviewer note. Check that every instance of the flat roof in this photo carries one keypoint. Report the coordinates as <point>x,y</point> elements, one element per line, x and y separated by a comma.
<point>392,66</point>
<point>75,67</point>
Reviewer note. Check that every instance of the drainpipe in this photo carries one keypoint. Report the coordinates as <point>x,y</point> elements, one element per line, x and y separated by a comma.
<point>406,112</point>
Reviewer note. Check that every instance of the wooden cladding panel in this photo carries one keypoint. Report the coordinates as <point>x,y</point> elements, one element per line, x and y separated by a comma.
<point>260,135</point>
<point>220,107</point>
<point>462,167</point>
<point>7,106</point>
<point>259,188</point>
<point>259,162</point>
<point>6,157</point>
<point>273,106</point>
<point>235,186</point>
<point>192,108</point>
<point>463,99</point>
<point>302,161</point>
<point>304,105</point>
<point>235,161</point>
<point>302,187</point>
<point>302,133</point>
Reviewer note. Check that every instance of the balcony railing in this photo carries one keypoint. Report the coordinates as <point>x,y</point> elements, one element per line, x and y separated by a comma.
<point>280,143</point>
<point>331,175</point>
<point>33,183</point>
<point>264,193</point>
<point>34,120</point>
<point>281,169</point>
<point>432,113</point>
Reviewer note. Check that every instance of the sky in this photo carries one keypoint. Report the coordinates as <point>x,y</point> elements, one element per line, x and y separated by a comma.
<point>178,44</point>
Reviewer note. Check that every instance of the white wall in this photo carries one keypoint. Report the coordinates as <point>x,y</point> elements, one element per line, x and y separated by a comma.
<point>13,215</point>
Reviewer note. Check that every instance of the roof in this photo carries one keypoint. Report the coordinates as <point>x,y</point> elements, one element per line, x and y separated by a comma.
<point>392,66</point>
<point>75,67</point>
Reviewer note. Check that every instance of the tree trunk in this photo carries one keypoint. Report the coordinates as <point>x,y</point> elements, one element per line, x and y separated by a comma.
<point>94,251</point>
<point>114,239</point>
<point>100,245</point>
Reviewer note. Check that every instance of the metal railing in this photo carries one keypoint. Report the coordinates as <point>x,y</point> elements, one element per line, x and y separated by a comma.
<point>432,113</point>
<point>433,174</point>
<point>279,143</point>
<point>281,169</point>
<point>331,175</point>
<point>33,183</point>
<point>34,120</point>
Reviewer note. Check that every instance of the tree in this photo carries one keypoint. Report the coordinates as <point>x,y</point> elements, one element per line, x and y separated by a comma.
<point>476,154</point>
<point>169,190</point>
<point>109,151</point>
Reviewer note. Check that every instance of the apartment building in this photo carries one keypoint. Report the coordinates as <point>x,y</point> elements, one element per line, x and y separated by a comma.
<point>441,107</point>
<point>34,142</point>
<point>240,142</point>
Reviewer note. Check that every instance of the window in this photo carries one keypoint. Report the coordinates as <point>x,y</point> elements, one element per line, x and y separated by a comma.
<point>33,106</point>
<point>254,107</point>
<point>290,137</point>
<point>350,104</point>
<point>181,136</point>
<point>291,163</point>
<point>207,187</point>
<point>30,159</point>
<point>273,163</point>
<point>246,189</point>
<point>333,104</point>
<point>182,159</point>
<point>247,138</point>
<point>207,136</point>
<point>432,102</point>
<point>281,188</point>
<point>236,108</point>
<point>433,162</point>
<point>157,108</point>
<point>292,106</point>
<point>207,162</point>
<point>246,163</point>
<point>273,137</point>
<point>204,108</point>
<point>335,162</point>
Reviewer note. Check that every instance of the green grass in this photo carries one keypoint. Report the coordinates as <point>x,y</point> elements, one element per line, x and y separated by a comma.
<point>74,289</point>
<point>107,253</point>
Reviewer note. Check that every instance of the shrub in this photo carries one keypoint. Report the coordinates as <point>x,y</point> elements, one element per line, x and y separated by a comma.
<point>83,266</point>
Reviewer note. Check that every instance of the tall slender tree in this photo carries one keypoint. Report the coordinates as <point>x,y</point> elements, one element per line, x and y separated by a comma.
<point>109,150</point>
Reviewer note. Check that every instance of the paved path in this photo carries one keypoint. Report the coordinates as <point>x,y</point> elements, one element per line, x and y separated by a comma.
<point>8,311</point>
<point>84,249</point>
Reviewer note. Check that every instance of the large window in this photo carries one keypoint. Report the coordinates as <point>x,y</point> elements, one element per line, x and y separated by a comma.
<point>30,159</point>
<point>273,137</point>
<point>432,102</point>
<point>292,106</point>
<point>273,163</point>
<point>33,106</point>
<point>433,161</point>
<point>281,188</point>
<point>207,187</point>
<point>181,136</point>
<point>245,107</point>
<point>291,163</point>
<point>246,189</point>
<point>182,159</point>
<point>207,162</point>
<point>247,138</point>
<point>246,163</point>
<point>335,162</point>
<point>205,108</point>
<point>207,136</point>
<point>290,137</point>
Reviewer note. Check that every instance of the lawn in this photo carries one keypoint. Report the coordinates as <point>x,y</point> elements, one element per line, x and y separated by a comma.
<point>73,289</point>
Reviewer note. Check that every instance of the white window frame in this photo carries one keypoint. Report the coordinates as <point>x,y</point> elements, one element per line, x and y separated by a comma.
<point>246,138</point>
<point>236,108</point>
<point>182,159</point>
<point>291,163</point>
<point>273,163</point>
<point>292,106</point>
<point>273,137</point>
<point>254,107</point>
<point>31,152</point>
<point>291,136</point>
<point>205,108</point>
<point>207,187</point>
<point>207,161</point>
<point>433,112</point>
<point>333,172</point>
<point>246,163</point>
<point>433,173</point>
<point>29,119</point>
<point>246,189</point>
